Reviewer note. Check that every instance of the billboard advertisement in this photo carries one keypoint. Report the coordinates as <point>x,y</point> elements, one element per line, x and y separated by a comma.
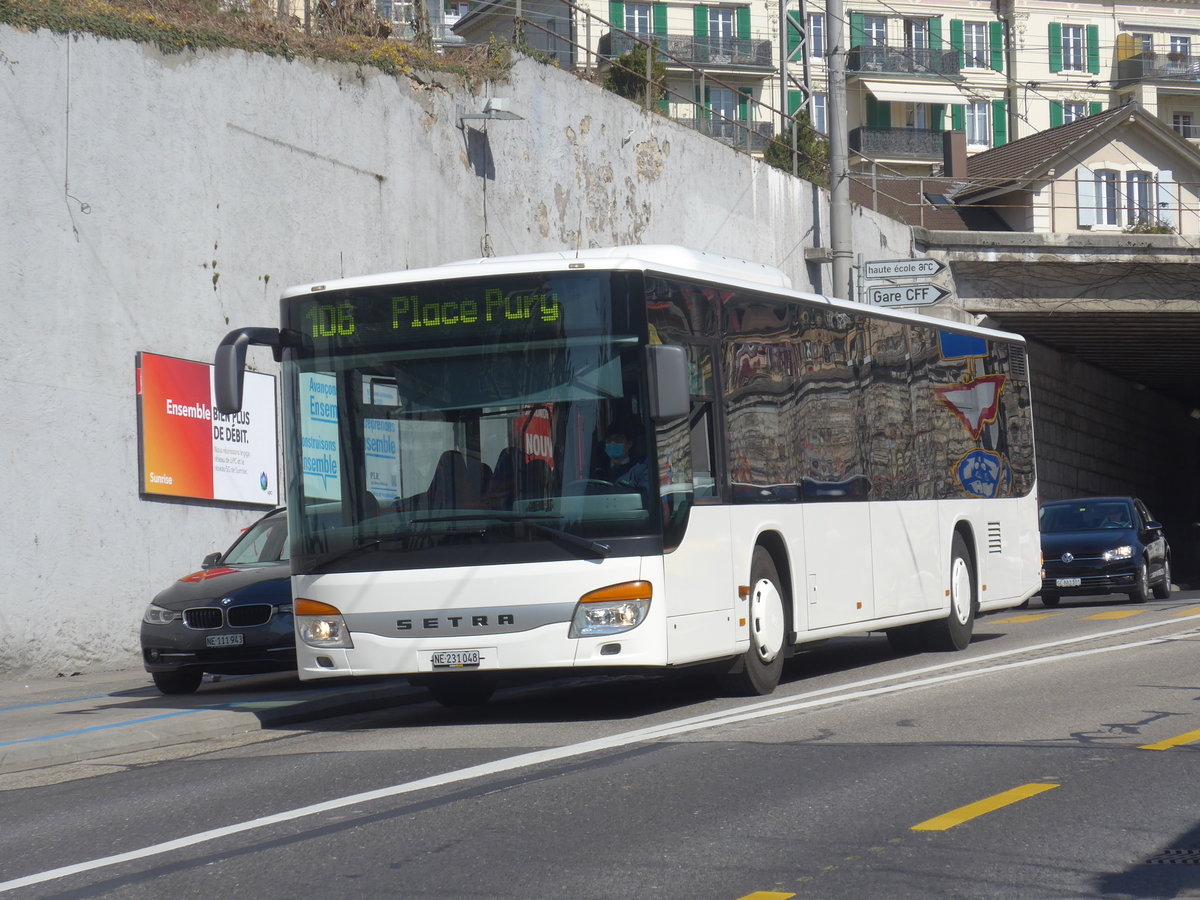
<point>189,450</point>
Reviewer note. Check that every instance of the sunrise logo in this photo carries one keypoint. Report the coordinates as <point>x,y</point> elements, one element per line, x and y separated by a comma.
<point>262,481</point>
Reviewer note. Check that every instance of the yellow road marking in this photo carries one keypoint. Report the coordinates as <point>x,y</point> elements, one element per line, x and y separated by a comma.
<point>980,807</point>
<point>767,895</point>
<point>1114,614</point>
<point>1177,741</point>
<point>1028,617</point>
<point>1187,612</point>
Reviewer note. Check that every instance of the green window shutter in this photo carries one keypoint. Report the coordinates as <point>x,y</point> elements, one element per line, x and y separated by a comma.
<point>1055,46</point>
<point>700,21</point>
<point>1095,107</point>
<point>616,14</point>
<point>858,37</point>
<point>935,33</point>
<point>958,117</point>
<point>999,123</point>
<point>937,116</point>
<point>1093,49</point>
<point>795,29</point>
<point>744,105</point>
<point>1056,113</point>
<point>956,40</point>
<point>996,36</point>
<point>743,22</point>
<point>879,115</point>
<point>794,100</point>
<point>659,14</point>
<point>702,112</point>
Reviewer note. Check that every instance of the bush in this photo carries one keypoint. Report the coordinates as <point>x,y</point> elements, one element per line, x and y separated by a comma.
<point>626,76</point>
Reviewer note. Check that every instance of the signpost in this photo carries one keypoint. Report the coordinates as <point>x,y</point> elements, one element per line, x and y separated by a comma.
<point>900,289</point>
<point>913,294</point>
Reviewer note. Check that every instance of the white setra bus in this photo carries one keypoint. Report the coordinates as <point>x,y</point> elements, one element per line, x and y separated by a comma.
<point>788,468</point>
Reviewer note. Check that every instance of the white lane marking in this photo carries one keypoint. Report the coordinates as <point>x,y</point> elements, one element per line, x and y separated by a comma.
<point>825,696</point>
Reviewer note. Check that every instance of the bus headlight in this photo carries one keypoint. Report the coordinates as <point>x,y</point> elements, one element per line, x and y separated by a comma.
<point>1123,552</point>
<point>612,609</point>
<point>321,625</point>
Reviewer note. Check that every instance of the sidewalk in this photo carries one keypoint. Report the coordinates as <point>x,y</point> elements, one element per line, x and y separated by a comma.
<point>50,721</point>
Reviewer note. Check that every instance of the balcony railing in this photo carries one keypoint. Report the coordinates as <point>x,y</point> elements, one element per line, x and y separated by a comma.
<point>902,61</point>
<point>1154,66</point>
<point>749,136</point>
<point>896,142</point>
<point>734,53</point>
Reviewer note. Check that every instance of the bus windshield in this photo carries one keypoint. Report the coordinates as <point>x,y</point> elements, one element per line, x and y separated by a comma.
<point>417,442</point>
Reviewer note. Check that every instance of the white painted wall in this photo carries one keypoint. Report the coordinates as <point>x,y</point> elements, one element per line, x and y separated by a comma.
<point>152,202</point>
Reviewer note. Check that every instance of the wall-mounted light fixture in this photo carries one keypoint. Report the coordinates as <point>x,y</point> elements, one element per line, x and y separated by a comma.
<point>494,108</point>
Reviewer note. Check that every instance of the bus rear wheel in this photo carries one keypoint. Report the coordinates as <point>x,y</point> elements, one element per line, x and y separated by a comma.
<point>954,631</point>
<point>757,671</point>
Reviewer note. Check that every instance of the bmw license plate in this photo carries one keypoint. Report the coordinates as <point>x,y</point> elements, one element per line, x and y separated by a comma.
<point>1067,582</point>
<point>455,659</point>
<point>224,640</point>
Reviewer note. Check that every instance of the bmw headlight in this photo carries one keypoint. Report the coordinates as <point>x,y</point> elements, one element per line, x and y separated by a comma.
<point>611,610</point>
<point>321,625</point>
<point>157,615</point>
<point>1122,552</point>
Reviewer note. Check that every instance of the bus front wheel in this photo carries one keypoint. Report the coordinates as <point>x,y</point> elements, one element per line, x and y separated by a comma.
<point>757,670</point>
<point>954,631</point>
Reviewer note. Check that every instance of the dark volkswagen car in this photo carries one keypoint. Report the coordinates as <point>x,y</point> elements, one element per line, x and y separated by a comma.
<point>1103,545</point>
<point>233,617</point>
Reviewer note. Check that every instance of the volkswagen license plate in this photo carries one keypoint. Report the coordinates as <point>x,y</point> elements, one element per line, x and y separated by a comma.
<point>455,659</point>
<point>1067,582</point>
<point>224,640</point>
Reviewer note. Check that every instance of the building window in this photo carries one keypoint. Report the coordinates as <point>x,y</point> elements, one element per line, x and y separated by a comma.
<point>1142,42</point>
<point>1108,201</point>
<point>1182,123</point>
<point>1073,56</point>
<point>1181,46</point>
<point>720,30</point>
<point>916,34</point>
<point>1073,111</point>
<point>395,11</point>
<point>875,30</point>
<point>1138,205</point>
<point>816,35</point>
<point>637,18</point>
<point>977,123</point>
<point>819,120</point>
<point>975,45</point>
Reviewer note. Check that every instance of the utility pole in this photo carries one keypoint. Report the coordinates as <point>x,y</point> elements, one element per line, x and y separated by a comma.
<point>840,239</point>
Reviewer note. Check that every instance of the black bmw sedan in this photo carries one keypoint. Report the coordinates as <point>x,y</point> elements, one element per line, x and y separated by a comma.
<point>233,617</point>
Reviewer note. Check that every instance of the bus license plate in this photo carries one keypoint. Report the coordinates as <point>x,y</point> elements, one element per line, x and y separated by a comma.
<point>1067,582</point>
<point>224,640</point>
<point>455,659</point>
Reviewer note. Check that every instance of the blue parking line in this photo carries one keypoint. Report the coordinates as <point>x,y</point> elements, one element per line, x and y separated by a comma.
<point>53,702</point>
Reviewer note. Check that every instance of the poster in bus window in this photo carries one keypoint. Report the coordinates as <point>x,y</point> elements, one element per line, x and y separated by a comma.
<point>189,450</point>
<point>319,437</point>
<point>381,446</point>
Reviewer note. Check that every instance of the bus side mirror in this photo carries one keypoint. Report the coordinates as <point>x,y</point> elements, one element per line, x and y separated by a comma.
<point>229,365</point>
<point>670,394</point>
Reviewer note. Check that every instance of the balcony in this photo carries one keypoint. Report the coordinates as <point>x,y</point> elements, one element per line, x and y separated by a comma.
<point>897,143</point>
<point>877,60</point>
<point>731,53</point>
<point>753,137</point>
<point>1151,66</point>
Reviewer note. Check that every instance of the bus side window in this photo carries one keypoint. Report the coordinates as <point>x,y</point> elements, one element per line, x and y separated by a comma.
<point>703,478</point>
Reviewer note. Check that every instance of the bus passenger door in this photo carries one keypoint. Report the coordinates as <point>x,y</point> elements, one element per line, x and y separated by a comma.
<point>837,553</point>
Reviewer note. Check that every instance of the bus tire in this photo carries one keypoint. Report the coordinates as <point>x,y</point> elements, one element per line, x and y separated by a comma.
<point>954,631</point>
<point>461,688</point>
<point>757,671</point>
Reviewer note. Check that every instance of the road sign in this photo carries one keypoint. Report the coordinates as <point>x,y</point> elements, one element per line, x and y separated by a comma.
<point>921,267</point>
<point>914,294</point>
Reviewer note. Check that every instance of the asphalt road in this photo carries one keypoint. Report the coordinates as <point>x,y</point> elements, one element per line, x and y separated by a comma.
<point>1055,758</point>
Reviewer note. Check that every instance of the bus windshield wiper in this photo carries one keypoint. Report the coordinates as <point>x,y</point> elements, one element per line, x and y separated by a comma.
<point>565,537</point>
<point>359,546</point>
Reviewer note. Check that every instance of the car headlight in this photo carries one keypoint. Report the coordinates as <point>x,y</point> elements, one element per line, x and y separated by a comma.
<point>1122,552</point>
<point>157,615</point>
<point>321,625</point>
<point>612,609</point>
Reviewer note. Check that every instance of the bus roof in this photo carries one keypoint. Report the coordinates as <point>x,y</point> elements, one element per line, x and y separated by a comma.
<point>667,259</point>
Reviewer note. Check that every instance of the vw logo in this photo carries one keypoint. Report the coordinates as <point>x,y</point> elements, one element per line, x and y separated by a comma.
<point>225,601</point>
<point>1066,557</point>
